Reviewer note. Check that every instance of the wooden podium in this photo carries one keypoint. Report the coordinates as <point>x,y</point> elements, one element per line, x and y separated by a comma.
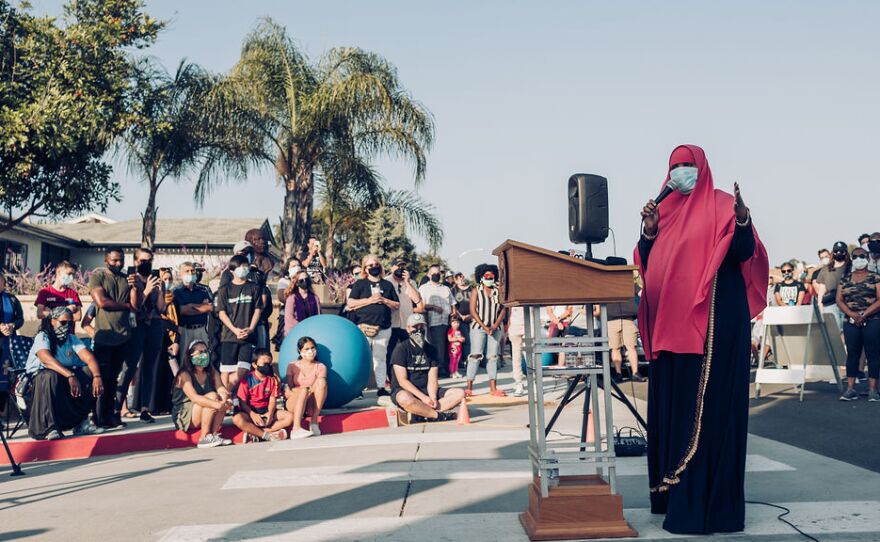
<point>573,493</point>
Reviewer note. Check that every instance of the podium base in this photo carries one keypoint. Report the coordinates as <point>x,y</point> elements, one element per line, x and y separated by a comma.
<point>578,507</point>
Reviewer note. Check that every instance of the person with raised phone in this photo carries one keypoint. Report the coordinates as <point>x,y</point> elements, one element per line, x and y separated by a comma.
<point>306,388</point>
<point>238,307</point>
<point>258,394</point>
<point>415,382</point>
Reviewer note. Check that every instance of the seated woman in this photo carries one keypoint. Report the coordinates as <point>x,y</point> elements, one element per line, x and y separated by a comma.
<point>198,398</point>
<point>66,380</point>
<point>299,302</point>
<point>258,393</point>
<point>306,386</point>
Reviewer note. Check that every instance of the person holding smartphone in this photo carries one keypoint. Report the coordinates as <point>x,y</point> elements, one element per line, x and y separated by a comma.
<point>145,346</point>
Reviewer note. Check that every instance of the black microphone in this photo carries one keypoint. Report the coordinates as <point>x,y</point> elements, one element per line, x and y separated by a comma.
<point>663,193</point>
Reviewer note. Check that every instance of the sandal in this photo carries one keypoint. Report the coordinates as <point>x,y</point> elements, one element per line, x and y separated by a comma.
<point>497,393</point>
<point>130,415</point>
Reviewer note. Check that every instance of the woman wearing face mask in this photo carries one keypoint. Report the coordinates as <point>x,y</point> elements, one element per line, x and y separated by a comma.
<point>487,315</point>
<point>66,380</point>
<point>199,398</point>
<point>291,269</point>
<point>301,302</point>
<point>306,381</point>
<point>858,297</point>
<point>705,274</point>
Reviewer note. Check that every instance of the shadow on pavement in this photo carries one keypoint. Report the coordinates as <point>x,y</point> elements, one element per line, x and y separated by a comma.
<point>31,495</point>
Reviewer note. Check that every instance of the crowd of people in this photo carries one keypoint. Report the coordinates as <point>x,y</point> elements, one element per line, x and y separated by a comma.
<point>846,284</point>
<point>163,341</point>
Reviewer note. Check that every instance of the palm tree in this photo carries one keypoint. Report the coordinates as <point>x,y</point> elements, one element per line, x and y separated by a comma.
<point>166,140</point>
<point>277,109</point>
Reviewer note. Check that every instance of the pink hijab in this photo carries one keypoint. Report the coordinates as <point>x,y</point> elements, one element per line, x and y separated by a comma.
<point>695,232</point>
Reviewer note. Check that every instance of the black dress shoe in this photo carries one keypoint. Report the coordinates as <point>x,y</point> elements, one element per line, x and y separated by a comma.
<point>147,418</point>
<point>639,378</point>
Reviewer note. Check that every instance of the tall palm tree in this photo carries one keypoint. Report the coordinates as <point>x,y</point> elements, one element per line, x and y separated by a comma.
<point>166,141</point>
<point>277,109</point>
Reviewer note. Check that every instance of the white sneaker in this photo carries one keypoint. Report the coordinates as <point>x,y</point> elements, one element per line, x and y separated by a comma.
<point>209,441</point>
<point>519,391</point>
<point>300,434</point>
<point>316,431</point>
<point>456,374</point>
<point>281,434</point>
<point>223,441</point>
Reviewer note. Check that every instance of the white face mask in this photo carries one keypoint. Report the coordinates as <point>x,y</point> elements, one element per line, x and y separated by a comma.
<point>683,179</point>
<point>859,263</point>
<point>826,260</point>
<point>66,280</point>
<point>241,272</point>
<point>293,271</point>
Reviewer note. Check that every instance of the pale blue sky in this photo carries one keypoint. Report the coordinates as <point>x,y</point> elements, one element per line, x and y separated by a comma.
<point>782,95</point>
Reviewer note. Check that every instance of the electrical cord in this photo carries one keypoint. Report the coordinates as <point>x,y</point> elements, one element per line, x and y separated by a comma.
<point>613,241</point>
<point>781,517</point>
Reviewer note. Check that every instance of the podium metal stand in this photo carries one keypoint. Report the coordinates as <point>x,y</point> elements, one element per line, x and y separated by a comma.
<point>573,492</point>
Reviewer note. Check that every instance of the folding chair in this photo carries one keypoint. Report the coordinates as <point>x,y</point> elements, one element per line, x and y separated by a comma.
<point>18,382</point>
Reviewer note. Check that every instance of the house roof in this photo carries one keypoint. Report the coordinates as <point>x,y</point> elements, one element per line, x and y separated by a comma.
<point>170,232</point>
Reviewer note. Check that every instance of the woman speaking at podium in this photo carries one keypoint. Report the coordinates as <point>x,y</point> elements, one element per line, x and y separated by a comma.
<point>705,276</point>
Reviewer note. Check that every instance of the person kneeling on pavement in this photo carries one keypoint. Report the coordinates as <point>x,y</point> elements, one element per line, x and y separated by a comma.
<point>414,382</point>
<point>258,393</point>
<point>199,398</point>
<point>66,380</point>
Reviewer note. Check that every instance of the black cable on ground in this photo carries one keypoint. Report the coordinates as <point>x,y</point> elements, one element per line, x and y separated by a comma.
<point>781,517</point>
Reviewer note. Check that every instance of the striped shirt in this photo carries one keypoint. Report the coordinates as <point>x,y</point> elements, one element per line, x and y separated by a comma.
<point>488,307</point>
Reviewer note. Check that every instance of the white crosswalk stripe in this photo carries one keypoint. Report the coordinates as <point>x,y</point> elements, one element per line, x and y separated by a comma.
<point>856,520</point>
<point>347,440</point>
<point>396,471</point>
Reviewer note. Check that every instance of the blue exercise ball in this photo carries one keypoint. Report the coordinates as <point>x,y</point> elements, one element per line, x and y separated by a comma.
<point>342,347</point>
<point>546,361</point>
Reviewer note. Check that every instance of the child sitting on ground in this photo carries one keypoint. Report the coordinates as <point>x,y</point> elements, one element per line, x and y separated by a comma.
<point>456,341</point>
<point>258,393</point>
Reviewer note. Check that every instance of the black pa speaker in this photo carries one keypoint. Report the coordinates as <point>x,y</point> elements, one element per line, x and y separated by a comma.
<point>587,208</point>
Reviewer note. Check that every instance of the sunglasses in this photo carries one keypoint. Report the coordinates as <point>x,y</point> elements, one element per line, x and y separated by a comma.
<point>788,270</point>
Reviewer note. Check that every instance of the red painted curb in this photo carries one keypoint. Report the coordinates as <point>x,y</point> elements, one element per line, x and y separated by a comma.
<point>110,444</point>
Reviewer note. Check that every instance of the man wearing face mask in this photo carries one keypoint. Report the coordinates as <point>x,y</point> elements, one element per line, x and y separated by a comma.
<point>789,292</point>
<point>828,279</point>
<point>439,306</point>
<point>372,300</point>
<point>414,381</point>
<point>705,275</point>
<point>115,297</point>
<point>194,305</point>
<point>60,293</point>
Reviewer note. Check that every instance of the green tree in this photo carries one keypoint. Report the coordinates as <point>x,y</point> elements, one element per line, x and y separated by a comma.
<point>63,99</point>
<point>166,140</point>
<point>276,108</point>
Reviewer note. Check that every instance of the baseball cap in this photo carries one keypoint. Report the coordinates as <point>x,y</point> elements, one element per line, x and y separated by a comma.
<point>449,274</point>
<point>399,261</point>
<point>840,246</point>
<point>415,319</point>
<point>241,246</point>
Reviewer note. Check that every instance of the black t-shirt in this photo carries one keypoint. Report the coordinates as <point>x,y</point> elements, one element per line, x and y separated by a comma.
<point>375,314</point>
<point>462,299</point>
<point>418,361</point>
<point>184,296</point>
<point>239,301</point>
<point>314,268</point>
<point>789,292</point>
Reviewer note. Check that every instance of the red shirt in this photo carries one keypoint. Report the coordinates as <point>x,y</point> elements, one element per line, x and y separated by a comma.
<point>256,392</point>
<point>50,298</point>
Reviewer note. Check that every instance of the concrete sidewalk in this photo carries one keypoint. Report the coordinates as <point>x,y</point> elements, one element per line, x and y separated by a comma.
<point>421,482</point>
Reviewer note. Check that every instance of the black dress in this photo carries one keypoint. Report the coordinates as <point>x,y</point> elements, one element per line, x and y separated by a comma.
<point>696,469</point>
